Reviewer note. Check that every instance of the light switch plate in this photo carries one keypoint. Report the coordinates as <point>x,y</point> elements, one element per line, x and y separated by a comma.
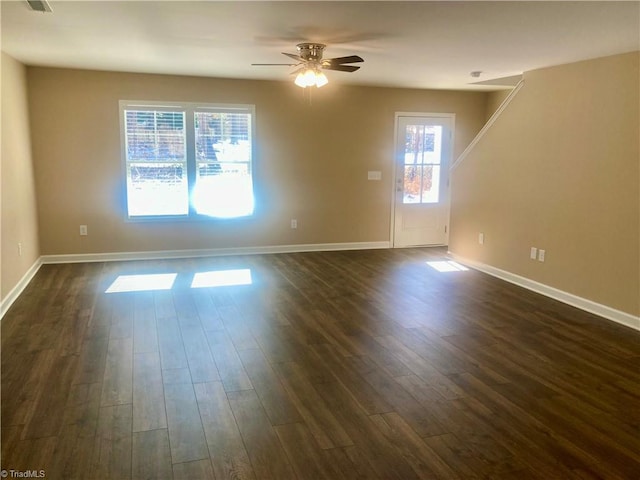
<point>374,175</point>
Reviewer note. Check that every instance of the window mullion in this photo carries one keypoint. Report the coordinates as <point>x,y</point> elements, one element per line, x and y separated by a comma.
<point>191,155</point>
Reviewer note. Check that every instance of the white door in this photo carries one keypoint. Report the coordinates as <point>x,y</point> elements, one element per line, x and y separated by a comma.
<point>421,197</point>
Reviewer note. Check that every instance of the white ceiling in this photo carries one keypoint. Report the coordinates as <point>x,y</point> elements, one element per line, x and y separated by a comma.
<point>414,44</point>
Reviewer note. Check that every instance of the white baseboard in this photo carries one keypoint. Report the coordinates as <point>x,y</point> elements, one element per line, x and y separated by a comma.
<point>560,295</point>
<point>211,252</point>
<point>17,290</point>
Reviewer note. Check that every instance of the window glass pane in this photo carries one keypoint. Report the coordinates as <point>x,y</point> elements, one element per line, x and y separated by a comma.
<point>157,189</point>
<point>156,163</point>
<point>430,183</point>
<point>223,137</point>
<point>412,184</point>
<point>153,136</point>
<point>224,187</point>
<point>224,195</point>
<point>208,136</point>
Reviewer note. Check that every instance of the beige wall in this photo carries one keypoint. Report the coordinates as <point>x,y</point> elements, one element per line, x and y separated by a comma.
<point>494,100</point>
<point>559,170</point>
<point>312,160</point>
<point>18,203</point>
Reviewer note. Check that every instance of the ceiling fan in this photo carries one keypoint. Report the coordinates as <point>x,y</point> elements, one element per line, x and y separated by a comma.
<point>309,59</point>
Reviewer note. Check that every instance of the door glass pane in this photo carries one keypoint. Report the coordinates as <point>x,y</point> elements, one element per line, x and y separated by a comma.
<point>414,144</point>
<point>430,184</point>
<point>422,158</point>
<point>432,141</point>
<point>429,140</point>
<point>412,184</point>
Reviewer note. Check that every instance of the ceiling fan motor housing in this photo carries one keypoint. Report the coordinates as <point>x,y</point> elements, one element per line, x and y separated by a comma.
<point>311,51</point>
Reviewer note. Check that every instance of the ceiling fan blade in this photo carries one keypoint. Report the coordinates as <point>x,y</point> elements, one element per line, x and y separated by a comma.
<point>349,59</point>
<point>291,55</point>
<point>341,68</point>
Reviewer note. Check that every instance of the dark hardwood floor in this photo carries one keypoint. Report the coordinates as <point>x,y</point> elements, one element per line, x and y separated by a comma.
<point>337,365</point>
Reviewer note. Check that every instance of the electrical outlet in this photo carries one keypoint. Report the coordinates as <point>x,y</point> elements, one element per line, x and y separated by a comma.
<point>534,253</point>
<point>294,223</point>
<point>481,238</point>
<point>83,230</point>
<point>541,255</point>
<point>19,249</point>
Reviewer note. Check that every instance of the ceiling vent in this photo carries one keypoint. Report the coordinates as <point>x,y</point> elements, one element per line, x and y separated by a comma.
<point>39,6</point>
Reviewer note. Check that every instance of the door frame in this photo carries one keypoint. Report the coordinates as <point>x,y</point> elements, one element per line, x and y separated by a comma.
<point>452,118</point>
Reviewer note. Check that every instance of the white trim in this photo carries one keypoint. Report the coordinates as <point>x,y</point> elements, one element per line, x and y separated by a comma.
<point>18,289</point>
<point>488,125</point>
<point>210,252</point>
<point>560,295</point>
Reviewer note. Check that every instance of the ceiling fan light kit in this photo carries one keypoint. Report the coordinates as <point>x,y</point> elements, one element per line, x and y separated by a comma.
<point>311,64</point>
<point>309,78</point>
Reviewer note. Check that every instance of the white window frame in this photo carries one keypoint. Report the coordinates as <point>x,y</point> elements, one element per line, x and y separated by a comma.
<point>189,109</point>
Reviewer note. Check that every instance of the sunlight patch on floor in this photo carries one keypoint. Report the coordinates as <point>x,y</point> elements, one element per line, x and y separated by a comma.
<point>222,278</point>
<point>447,266</point>
<point>141,283</point>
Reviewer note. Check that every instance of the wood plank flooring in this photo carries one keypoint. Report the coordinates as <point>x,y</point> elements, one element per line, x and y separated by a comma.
<point>329,365</point>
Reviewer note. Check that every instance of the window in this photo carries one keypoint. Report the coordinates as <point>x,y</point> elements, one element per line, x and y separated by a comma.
<point>187,160</point>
